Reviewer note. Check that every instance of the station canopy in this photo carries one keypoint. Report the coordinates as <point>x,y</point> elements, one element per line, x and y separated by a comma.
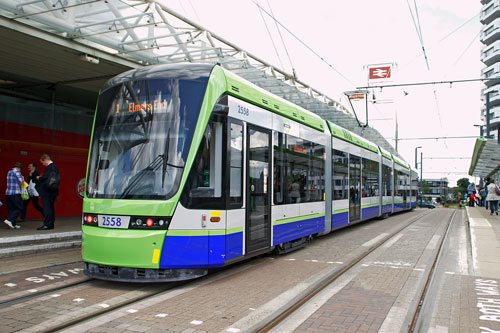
<point>128,34</point>
<point>485,158</point>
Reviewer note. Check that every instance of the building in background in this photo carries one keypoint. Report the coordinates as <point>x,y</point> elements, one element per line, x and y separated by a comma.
<point>490,56</point>
<point>438,188</point>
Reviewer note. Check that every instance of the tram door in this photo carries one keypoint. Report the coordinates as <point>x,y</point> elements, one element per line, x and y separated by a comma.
<point>354,188</point>
<point>258,203</point>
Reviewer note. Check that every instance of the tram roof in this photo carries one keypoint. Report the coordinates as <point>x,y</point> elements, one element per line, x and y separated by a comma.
<point>400,162</point>
<point>485,158</point>
<point>80,47</point>
<point>348,136</point>
<point>248,91</point>
<point>385,153</point>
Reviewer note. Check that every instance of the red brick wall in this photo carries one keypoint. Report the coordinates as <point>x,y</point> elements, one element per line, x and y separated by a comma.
<point>25,144</point>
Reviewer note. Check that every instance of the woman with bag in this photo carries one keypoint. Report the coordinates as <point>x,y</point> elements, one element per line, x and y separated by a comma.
<point>493,197</point>
<point>32,191</point>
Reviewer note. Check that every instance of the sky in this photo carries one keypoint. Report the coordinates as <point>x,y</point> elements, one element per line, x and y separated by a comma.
<point>349,35</point>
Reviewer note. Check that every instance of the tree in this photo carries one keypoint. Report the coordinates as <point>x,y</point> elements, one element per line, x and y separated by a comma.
<point>425,188</point>
<point>462,184</point>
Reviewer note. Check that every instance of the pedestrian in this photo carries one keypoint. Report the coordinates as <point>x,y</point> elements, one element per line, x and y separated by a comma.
<point>471,188</point>
<point>493,197</point>
<point>49,190</point>
<point>486,183</point>
<point>482,196</point>
<point>32,178</point>
<point>473,199</point>
<point>13,195</point>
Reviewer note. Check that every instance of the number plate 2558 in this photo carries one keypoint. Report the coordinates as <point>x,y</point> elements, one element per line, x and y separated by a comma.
<point>113,221</point>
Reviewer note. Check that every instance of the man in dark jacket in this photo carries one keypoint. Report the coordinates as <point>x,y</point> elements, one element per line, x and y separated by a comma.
<point>49,190</point>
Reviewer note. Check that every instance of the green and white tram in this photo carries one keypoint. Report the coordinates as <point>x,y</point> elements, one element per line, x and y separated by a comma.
<point>193,168</point>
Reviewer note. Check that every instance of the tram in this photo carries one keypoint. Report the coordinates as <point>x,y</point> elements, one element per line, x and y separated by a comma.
<point>192,168</point>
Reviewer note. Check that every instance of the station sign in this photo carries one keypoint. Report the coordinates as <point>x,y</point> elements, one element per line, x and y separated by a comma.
<point>381,72</point>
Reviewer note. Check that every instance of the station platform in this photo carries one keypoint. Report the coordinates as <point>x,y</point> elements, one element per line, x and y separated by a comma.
<point>465,296</point>
<point>28,240</point>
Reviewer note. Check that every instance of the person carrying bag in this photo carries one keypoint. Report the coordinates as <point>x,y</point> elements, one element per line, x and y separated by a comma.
<point>49,190</point>
<point>32,191</point>
<point>493,197</point>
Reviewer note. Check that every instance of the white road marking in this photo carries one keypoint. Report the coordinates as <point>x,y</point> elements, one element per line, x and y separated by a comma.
<point>55,295</point>
<point>196,322</point>
<point>11,285</point>
<point>132,310</point>
<point>103,305</point>
<point>32,290</point>
<point>392,241</point>
<point>161,315</point>
<point>375,240</point>
<point>79,300</point>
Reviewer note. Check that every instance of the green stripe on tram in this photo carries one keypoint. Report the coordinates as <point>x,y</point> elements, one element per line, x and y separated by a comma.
<point>370,205</point>
<point>341,211</point>
<point>298,218</point>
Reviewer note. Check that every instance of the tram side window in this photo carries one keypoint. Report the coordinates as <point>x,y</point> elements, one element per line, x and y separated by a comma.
<point>370,178</point>
<point>400,183</point>
<point>281,171</point>
<point>204,185</point>
<point>316,179</point>
<point>299,169</point>
<point>236,164</point>
<point>340,181</point>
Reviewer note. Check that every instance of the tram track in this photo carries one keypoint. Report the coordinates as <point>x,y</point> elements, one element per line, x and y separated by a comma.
<point>416,323</point>
<point>77,321</point>
<point>30,296</point>
<point>288,310</point>
<point>80,317</point>
<point>103,311</point>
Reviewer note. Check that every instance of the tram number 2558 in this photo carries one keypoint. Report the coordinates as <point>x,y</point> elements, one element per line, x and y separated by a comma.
<point>112,221</point>
<point>243,111</point>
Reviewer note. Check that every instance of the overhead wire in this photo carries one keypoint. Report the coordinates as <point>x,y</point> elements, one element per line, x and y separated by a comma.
<point>418,28</point>
<point>271,37</point>
<point>441,40</point>
<point>282,41</point>
<point>194,10</point>
<point>305,45</point>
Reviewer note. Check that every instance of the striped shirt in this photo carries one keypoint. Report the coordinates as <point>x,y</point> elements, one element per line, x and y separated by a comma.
<point>14,181</point>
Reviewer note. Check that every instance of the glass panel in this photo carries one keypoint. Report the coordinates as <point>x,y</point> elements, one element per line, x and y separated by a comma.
<point>258,227</point>
<point>340,179</point>
<point>370,178</point>
<point>236,163</point>
<point>355,187</point>
<point>143,131</point>
<point>203,188</point>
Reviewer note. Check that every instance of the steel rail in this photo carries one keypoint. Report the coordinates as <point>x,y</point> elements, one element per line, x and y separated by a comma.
<point>416,322</point>
<point>269,324</point>
<point>16,300</point>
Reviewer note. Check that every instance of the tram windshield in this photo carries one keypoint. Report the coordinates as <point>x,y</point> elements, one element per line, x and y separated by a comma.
<point>142,134</point>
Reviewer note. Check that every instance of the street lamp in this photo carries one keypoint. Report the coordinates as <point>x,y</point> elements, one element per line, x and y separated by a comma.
<point>416,149</point>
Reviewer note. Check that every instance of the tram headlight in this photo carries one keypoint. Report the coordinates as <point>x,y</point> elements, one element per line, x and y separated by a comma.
<point>90,219</point>
<point>149,222</point>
